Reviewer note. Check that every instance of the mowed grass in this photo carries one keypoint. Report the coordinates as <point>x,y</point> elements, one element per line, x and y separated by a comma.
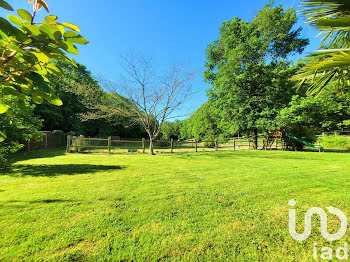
<point>223,206</point>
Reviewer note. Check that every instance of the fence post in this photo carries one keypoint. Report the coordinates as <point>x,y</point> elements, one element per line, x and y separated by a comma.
<point>46,143</point>
<point>216,144</point>
<point>234,144</point>
<point>196,145</point>
<point>319,146</point>
<point>172,145</point>
<point>143,145</point>
<point>276,143</point>
<point>248,144</point>
<point>68,143</point>
<point>109,144</point>
<point>81,143</point>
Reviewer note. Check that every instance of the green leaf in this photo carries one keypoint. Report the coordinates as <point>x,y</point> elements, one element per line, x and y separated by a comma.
<point>69,47</point>
<point>9,90</point>
<point>3,108</point>
<point>5,5</point>
<point>32,29</point>
<point>75,38</point>
<point>54,100</point>
<point>51,31</point>
<point>53,69</point>
<point>21,96</point>
<point>71,26</point>
<point>30,58</point>
<point>26,90</point>
<point>61,28</point>
<point>10,30</point>
<point>15,20</point>
<point>40,70</point>
<point>43,58</point>
<point>51,19</point>
<point>38,81</point>
<point>2,136</point>
<point>25,15</point>
<point>37,98</point>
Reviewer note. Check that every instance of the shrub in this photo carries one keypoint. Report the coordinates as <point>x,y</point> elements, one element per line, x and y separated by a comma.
<point>162,144</point>
<point>209,141</point>
<point>20,126</point>
<point>302,132</point>
<point>58,132</point>
<point>6,152</point>
<point>77,145</point>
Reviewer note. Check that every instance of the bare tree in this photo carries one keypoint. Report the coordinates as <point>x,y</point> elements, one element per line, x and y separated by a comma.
<point>154,98</point>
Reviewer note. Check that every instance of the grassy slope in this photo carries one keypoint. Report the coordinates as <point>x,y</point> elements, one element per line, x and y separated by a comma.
<point>204,206</point>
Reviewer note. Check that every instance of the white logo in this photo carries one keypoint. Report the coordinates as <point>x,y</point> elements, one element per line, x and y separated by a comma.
<point>323,223</point>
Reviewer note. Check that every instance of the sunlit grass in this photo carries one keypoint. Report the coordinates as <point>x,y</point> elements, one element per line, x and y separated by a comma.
<point>191,206</point>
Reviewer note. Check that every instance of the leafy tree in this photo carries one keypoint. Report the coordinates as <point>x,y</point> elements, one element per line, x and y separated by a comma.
<point>85,103</point>
<point>323,113</point>
<point>171,129</point>
<point>21,125</point>
<point>66,118</point>
<point>248,70</point>
<point>202,124</point>
<point>28,49</point>
<point>332,62</point>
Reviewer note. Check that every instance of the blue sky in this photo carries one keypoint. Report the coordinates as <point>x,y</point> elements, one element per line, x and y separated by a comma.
<point>169,31</point>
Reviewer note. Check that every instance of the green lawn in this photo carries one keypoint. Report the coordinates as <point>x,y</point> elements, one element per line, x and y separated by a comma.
<point>196,206</point>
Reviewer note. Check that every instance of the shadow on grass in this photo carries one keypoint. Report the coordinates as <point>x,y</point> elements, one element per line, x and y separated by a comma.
<point>25,203</point>
<point>44,153</point>
<point>44,201</point>
<point>57,170</point>
<point>337,150</point>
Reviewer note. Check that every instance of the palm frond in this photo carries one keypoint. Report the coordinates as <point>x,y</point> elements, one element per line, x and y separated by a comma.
<point>315,10</point>
<point>328,65</point>
<point>332,18</point>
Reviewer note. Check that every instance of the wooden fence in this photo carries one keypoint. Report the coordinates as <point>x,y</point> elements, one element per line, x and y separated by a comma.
<point>49,140</point>
<point>109,145</point>
<point>337,132</point>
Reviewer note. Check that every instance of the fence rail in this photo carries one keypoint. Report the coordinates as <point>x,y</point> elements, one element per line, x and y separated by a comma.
<point>116,144</point>
<point>81,144</point>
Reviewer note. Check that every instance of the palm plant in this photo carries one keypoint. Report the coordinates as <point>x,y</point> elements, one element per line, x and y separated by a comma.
<point>332,62</point>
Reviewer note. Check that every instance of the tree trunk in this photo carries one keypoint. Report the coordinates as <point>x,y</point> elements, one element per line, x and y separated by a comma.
<point>255,138</point>
<point>151,146</point>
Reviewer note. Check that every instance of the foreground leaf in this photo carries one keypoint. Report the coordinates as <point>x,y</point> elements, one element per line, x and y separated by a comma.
<point>71,26</point>
<point>3,108</point>
<point>25,15</point>
<point>2,136</point>
<point>5,5</point>
<point>75,38</point>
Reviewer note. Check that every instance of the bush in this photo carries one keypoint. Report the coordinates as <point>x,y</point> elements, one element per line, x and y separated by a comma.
<point>209,141</point>
<point>19,126</point>
<point>302,132</point>
<point>162,144</point>
<point>6,151</point>
<point>335,142</point>
<point>77,145</point>
<point>58,132</point>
